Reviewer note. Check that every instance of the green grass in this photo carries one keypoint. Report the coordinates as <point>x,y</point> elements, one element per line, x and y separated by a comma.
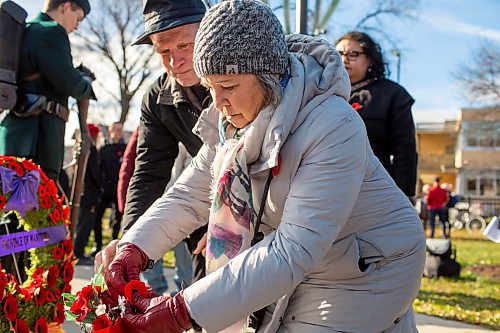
<point>469,298</point>
<point>168,258</point>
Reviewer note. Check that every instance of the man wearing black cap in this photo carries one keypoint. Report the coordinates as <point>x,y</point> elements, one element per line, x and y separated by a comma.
<point>169,111</point>
<point>46,74</point>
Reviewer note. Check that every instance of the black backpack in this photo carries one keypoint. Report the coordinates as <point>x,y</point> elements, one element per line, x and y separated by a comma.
<point>12,22</point>
<point>440,259</point>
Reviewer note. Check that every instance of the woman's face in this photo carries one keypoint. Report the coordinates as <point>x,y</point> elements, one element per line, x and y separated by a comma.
<point>239,97</point>
<point>355,61</point>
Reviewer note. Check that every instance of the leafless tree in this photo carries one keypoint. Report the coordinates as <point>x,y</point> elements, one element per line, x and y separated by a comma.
<point>320,12</point>
<point>107,33</point>
<point>480,78</point>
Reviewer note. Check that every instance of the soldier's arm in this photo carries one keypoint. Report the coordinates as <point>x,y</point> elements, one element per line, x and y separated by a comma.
<point>157,149</point>
<point>56,65</point>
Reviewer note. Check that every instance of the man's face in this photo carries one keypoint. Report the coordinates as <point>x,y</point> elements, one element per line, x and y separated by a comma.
<point>116,132</point>
<point>70,17</point>
<point>175,47</point>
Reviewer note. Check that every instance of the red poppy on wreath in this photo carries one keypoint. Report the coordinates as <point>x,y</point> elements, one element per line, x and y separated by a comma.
<point>21,327</point>
<point>41,325</point>
<point>39,296</point>
<point>58,316</point>
<point>68,272</point>
<point>57,253</point>
<point>49,296</point>
<point>16,167</point>
<point>2,202</point>
<point>42,191</point>
<point>67,245</point>
<point>26,293</point>
<point>28,165</point>
<point>36,283</point>
<point>51,276</point>
<point>2,292</point>
<point>356,106</point>
<point>10,308</point>
<point>38,272</point>
<point>133,286</point>
<point>101,322</point>
<point>55,216</point>
<point>66,288</point>
<point>45,202</point>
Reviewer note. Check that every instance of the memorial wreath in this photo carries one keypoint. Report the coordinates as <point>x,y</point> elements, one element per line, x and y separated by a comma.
<point>28,195</point>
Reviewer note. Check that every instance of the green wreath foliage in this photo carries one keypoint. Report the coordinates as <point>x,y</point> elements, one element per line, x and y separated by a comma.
<point>36,304</point>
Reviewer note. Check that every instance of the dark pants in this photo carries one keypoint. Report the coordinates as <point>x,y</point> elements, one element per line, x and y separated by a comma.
<point>441,212</point>
<point>115,219</point>
<point>85,225</point>
<point>198,259</point>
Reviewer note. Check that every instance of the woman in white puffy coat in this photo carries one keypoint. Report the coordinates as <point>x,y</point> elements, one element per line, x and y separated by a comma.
<point>343,249</point>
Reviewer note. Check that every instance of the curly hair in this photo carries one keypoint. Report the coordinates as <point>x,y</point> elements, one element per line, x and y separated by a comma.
<point>372,50</point>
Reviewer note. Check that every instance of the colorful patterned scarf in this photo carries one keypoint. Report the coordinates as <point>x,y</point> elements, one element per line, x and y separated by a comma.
<point>232,216</point>
<point>230,227</point>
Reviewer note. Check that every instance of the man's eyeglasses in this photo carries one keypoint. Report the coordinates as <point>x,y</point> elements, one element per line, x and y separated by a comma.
<point>351,55</point>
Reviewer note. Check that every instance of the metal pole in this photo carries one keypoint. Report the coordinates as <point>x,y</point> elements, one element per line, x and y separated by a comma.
<point>301,16</point>
<point>397,54</point>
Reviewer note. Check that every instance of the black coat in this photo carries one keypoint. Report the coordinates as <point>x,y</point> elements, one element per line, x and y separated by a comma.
<point>93,180</point>
<point>167,118</point>
<point>385,107</point>
<point>111,157</point>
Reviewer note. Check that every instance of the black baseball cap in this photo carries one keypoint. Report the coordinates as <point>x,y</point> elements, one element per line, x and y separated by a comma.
<point>162,15</point>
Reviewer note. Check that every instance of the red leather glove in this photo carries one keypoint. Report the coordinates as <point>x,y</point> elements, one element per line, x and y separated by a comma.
<point>128,263</point>
<point>159,314</point>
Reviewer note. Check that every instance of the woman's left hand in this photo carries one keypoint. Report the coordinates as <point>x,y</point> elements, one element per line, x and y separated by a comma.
<point>158,314</point>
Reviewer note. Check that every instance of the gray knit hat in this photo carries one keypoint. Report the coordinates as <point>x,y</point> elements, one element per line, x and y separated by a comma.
<point>240,37</point>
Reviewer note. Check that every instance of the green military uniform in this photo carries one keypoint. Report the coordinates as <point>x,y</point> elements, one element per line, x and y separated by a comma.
<point>46,50</point>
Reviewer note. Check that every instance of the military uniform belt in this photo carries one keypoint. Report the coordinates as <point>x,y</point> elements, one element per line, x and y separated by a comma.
<point>56,109</point>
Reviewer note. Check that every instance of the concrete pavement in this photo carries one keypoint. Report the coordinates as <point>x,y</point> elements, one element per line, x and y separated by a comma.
<point>425,324</point>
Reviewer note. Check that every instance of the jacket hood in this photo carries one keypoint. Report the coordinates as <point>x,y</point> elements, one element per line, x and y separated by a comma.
<point>316,73</point>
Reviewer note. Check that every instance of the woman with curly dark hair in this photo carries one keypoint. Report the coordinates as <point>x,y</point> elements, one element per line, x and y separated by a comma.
<point>384,105</point>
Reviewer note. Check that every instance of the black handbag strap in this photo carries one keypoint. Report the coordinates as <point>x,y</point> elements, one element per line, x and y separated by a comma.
<point>257,235</point>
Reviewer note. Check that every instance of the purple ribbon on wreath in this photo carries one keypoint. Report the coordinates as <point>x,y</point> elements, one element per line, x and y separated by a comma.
<point>24,190</point>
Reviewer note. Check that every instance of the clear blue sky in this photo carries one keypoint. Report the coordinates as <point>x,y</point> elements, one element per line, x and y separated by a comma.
<point>444,35</point>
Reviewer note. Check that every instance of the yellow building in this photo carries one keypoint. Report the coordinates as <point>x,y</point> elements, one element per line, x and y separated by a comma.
<point>436,145</point>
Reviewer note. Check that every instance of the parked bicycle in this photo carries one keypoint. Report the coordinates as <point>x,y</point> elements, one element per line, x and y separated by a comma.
<point>465,215</point>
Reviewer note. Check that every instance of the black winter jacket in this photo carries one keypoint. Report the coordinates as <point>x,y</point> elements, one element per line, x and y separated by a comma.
<point>385,107</point>
<point>167,118</point>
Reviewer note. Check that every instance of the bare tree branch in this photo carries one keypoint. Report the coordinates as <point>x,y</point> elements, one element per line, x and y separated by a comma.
<point>108,33</point>
<point>481,79</point>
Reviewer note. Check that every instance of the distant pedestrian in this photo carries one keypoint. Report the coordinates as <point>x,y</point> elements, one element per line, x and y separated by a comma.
<point>89,201</point>
<point>384,106</point>
<point>436,203</point>
<point>111,157</point>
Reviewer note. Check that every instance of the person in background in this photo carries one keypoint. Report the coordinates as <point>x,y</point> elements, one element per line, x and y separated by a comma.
<point>436,204</point>
<point>46,70</point>
<point>183,266</point>
<point>110,158</point>
<point>423,212</point>
<point>90,200</point>
<point>303,220</point>
<point>450,204</point>
<point>384,106</point>
<point>170,109</point>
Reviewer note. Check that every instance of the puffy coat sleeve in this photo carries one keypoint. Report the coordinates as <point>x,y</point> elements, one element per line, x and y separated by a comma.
<point>180,211</point>
<point>322,194</point>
